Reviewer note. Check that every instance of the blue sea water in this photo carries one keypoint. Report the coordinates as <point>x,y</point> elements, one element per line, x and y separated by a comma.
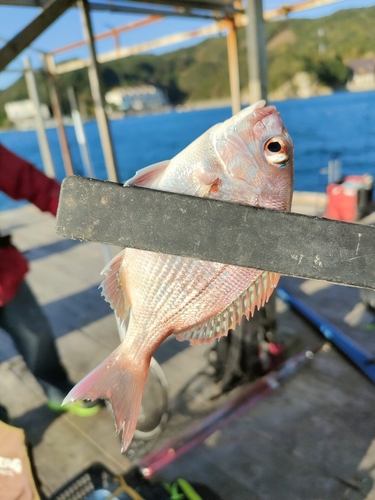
<point>340,125</point>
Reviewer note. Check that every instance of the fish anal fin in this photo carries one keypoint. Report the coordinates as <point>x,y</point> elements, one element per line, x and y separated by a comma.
<point>112,287</point>
<point>121,385</point>
<point>253,297</point>
<point>147,176</point>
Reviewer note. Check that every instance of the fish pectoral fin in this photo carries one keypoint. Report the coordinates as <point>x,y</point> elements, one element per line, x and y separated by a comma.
<point>121,383</point>
<point>147,176</point>
<point>253,297</point>
<point>112,288</point>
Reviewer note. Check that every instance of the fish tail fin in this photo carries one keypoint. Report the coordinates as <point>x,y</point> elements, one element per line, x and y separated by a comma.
<point>121,383</point>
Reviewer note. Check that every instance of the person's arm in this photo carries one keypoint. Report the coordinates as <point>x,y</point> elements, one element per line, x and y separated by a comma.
<point>20,180</point>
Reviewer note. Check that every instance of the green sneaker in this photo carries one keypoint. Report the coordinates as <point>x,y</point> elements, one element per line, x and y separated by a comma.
<point>80,408</point>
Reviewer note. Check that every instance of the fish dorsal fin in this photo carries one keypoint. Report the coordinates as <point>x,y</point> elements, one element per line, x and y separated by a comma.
<point>112,289</point>
<point>253,297</point>
<point>148,176</point>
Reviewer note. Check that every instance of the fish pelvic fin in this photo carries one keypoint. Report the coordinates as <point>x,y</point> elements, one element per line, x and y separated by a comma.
<point>112,288</point>
<point>253,297</point>
<point>148,176</point>
<point>121,385</point>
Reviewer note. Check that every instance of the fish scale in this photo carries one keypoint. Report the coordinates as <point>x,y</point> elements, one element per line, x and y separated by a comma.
<point>175,299</point>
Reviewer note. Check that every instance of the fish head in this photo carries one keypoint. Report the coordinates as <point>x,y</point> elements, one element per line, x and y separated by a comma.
<point>253,159</point>
<point>246,159</point>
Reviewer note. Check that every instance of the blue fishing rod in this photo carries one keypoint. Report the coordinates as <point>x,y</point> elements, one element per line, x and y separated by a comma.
<point>362,358</point>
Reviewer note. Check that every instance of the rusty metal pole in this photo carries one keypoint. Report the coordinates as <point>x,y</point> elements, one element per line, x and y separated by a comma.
<point>97,94</point>
<point>32,89</point>
<point>256,51</point>
<point>57,113</point>
<point>234,75</point>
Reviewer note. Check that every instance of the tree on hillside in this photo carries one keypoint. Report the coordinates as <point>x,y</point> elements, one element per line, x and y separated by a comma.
<point>329,70</point>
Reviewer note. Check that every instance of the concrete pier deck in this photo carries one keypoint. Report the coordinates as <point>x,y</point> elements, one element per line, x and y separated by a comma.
<point>312,438</point>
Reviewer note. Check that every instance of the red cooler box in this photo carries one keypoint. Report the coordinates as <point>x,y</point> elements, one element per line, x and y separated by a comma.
<point>349,200</point>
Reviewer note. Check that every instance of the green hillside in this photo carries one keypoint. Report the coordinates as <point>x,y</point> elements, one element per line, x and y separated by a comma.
<point>200,72</point>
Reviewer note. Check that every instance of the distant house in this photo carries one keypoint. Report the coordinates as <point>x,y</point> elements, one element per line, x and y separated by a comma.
<point>142,98</point>
<point>22,113</point>
<point>363,77</point>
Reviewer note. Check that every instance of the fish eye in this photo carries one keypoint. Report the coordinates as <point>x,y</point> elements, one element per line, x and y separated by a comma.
<point>274,146</point>
<point>276,151</point>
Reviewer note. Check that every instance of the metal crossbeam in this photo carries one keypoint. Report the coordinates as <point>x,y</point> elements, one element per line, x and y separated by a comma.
<point>291,244</point>
<point>51,11</point>
<point>121,52</point>
<point>162,10</point>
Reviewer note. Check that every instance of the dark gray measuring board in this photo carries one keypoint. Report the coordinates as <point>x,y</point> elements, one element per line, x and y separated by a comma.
<point>287,243</point>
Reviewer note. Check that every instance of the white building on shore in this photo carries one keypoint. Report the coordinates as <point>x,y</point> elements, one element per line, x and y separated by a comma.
<point>363,77</point>
<point>22,113</point>
<point>142,98</point>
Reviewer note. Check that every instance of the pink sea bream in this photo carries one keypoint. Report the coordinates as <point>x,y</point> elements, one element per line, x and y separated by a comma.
<point>247,159</point>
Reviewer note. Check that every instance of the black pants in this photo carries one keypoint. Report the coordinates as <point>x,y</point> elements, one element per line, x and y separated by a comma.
<point>241,355</point>
<point>23,319</point>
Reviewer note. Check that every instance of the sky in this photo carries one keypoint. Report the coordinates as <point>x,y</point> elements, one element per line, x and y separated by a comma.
<point>68,29</point>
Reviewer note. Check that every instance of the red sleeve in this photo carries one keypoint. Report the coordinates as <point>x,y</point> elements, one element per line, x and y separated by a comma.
<point>13,267</point>
<point>20,180</point>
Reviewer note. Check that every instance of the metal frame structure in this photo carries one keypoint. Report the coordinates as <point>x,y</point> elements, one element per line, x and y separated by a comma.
<point>228,16</point>
<point>54,8</point>
<point>124,5</point>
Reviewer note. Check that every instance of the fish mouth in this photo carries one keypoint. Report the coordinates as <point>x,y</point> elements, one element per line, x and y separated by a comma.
<point>258,110</point>
<point>261,113</point>
<point>254,116</point>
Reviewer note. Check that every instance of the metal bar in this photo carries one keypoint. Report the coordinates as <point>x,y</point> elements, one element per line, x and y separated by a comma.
<point>287,9</point>
<point>30,47</point>
<point>57,113</point>
<point>290,244</point>
<point>234,73</point>
<point>128,27</point>
<point>212,29</point>
<point>80,134</point>
<point>156,11</point>
<point>70,46</point>
<point>49,168</point>
<point>73,65</point>
<point>256,51</point>
<point>51,11</point>
<point>113,32</point>
<point>97,94</point>
<point>197,4</point>
<point>24,3</point>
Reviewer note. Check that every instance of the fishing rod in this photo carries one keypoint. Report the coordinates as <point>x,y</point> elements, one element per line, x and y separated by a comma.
<point>248,398</point>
